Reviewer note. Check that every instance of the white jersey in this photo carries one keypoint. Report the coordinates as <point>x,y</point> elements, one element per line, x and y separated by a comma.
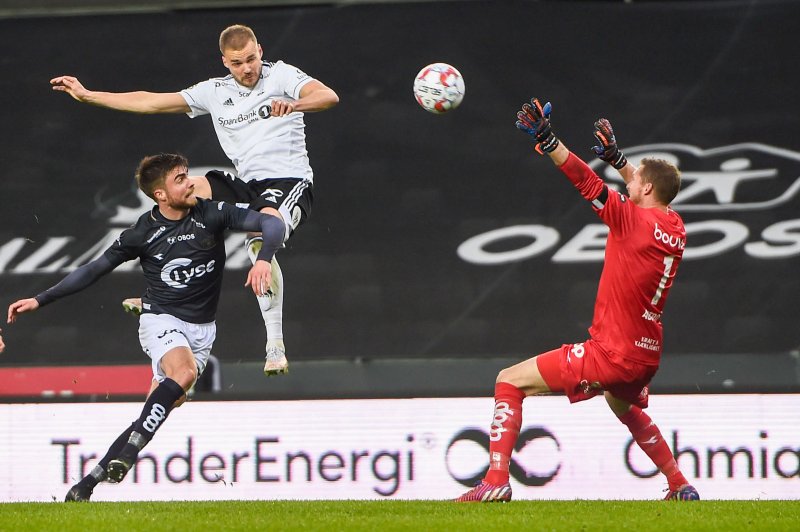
<point>260,146</point>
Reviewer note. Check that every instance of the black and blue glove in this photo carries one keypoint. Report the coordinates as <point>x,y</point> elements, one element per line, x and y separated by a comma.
<point>608,150</point>
<point>534,119</point>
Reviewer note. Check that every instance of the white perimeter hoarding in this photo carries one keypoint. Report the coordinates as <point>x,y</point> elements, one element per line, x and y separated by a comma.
<point>729,446</point>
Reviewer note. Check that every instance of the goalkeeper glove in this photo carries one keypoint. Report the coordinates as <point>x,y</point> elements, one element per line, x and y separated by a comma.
<point>607,150</point>
<point>534,119</point>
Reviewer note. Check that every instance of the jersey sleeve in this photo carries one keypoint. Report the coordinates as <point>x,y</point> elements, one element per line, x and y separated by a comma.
<point>614,208</point>
<point>197,97</point>
<point>291,79</point>
<point>226,216</point>
<point>125,248</point>
<point>220,216</point>
<point>77,280</point>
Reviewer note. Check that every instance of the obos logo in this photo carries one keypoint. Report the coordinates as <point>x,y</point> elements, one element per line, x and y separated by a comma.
<point>177,272</point>
<point>535,462</point>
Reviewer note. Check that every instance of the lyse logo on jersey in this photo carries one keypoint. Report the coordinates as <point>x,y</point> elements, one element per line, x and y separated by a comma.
<point>176,273</point>
<point>668,239</point>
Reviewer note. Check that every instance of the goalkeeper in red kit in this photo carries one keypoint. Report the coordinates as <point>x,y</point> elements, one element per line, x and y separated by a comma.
<point>644,248</point>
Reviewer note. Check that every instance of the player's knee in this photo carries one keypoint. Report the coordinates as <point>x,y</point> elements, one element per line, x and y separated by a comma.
<point>272,211</point>
<point>184,376</point>
<point>618,406</point>
<point>506,375</point>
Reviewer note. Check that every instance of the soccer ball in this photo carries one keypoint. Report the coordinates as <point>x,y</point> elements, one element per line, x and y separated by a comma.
<point>439,88</point>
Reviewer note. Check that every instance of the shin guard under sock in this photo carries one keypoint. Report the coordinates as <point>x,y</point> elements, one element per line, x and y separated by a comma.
<point>98,473</point>
<point>155,411</point>
<point>650,440</point>
<point>504,431</point>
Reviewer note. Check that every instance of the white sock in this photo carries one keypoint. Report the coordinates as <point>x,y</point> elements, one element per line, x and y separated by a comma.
<point>253,246</point>
<point>271,305</point>
<point>273,318</point>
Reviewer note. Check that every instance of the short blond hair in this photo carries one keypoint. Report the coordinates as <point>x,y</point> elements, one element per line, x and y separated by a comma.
<point>235,37</point>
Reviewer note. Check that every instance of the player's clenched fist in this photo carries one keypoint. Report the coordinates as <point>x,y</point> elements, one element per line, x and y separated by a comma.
<point>281,108</point>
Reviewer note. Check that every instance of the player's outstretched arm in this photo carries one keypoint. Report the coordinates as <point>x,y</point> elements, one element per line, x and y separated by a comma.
<point>534,119</point>
<point>133,102</point>
<point>314,96</point>
<point>20,307</point>
<point>608,150</point>
<point>74,282</point>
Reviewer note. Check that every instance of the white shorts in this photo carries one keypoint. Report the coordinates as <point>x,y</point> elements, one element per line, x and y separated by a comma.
<point>158,333</point>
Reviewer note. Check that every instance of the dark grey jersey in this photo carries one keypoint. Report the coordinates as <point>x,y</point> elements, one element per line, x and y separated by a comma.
<point>182,260</point>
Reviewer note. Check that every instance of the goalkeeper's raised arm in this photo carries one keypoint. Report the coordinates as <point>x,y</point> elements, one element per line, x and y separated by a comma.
<point>534,119</point>
<point>608,150</point>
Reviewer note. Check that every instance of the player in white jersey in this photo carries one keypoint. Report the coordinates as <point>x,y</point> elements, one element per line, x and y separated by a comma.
<point>257,112</point>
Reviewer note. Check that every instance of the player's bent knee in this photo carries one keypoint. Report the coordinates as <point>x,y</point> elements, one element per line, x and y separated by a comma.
<point>620,407</point>
<point>516,376</point>
<point>505,375</point>
<point>272,211</point>
<point>524,376</point>
<point>185,376</point>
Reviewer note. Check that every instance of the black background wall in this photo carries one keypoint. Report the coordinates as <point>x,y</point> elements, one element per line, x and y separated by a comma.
<point>376,273</point>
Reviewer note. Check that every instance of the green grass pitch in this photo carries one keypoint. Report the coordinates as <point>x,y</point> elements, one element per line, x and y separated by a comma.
<point>570,516</point>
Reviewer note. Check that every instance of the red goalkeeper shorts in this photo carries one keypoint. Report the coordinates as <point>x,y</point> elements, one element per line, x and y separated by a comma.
<point>585,370</point>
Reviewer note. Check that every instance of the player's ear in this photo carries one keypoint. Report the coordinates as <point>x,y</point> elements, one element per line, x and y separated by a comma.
<point>160,194</point>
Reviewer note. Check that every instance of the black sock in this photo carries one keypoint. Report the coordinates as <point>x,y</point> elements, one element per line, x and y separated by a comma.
<point>98,473</point>
<point>155,411</point>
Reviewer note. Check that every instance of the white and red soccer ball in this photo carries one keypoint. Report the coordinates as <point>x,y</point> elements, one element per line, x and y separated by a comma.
<point>439,88</point>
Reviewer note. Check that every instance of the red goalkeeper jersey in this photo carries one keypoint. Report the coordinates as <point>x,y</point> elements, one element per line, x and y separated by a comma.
<point>643,250</point>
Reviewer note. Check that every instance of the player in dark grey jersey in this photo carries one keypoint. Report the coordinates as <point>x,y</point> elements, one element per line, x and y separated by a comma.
<point>257,113</point>
<point>181,246</point>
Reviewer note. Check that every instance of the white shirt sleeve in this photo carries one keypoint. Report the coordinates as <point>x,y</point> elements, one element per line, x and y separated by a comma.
<point>197,97</point>
<point>291,78</point>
